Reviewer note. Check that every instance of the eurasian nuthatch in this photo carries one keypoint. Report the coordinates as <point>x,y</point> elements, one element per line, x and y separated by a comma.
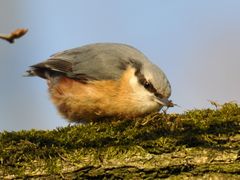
<point>103,80</point>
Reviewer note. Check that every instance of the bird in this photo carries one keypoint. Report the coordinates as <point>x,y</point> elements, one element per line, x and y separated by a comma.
<point>103,80</point>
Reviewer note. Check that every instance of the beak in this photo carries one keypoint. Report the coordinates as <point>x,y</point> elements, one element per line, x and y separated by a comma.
<point>165,102</point>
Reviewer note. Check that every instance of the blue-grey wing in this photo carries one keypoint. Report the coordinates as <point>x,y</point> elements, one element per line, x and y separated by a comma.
<point>94,62</point>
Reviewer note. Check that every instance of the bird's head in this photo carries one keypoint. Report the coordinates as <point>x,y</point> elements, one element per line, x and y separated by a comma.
<point>155,81</point>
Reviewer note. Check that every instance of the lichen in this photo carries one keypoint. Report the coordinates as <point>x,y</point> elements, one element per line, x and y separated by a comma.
<point>195,143</point>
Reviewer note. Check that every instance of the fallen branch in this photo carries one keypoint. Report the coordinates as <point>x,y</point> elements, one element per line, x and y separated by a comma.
<point>198,144</point>
<point>14,35</point>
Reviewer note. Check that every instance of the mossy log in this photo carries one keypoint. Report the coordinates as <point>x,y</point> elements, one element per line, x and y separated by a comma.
<point>199,144</point>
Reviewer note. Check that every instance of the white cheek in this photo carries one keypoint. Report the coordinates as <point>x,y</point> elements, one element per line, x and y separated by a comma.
<point>138,90</point>
<point>144,100</point>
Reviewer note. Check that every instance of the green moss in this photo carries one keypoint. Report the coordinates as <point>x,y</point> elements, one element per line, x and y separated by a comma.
<point>159,145</point>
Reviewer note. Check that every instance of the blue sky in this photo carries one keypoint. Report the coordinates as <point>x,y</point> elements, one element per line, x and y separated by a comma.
<point>196,43</point>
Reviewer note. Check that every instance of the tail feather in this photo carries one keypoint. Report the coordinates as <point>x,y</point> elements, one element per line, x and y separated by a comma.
<point>41,72</point>
<point>45,73</point>
<point>29,73</point>
<point>49,68</point>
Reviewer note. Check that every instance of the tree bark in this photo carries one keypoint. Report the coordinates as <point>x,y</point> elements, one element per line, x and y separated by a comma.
<point>199,144</point>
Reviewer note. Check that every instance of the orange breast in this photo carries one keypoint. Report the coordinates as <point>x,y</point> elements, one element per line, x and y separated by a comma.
<point>78,101</point>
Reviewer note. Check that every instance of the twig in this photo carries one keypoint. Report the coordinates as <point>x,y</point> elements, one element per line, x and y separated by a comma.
<point>13,35</point>
<point>215,104</point>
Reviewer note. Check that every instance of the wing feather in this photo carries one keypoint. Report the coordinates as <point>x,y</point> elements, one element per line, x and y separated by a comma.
<point>92,62</point>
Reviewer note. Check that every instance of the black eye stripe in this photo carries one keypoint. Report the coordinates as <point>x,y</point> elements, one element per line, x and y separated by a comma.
<point>147,85</point>
<point>158,95</point>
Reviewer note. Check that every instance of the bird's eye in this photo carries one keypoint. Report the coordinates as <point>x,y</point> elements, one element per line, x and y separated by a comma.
<point>147,84</point>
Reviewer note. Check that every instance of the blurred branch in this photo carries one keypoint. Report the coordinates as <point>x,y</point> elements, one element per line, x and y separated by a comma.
<point>13,35</point>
